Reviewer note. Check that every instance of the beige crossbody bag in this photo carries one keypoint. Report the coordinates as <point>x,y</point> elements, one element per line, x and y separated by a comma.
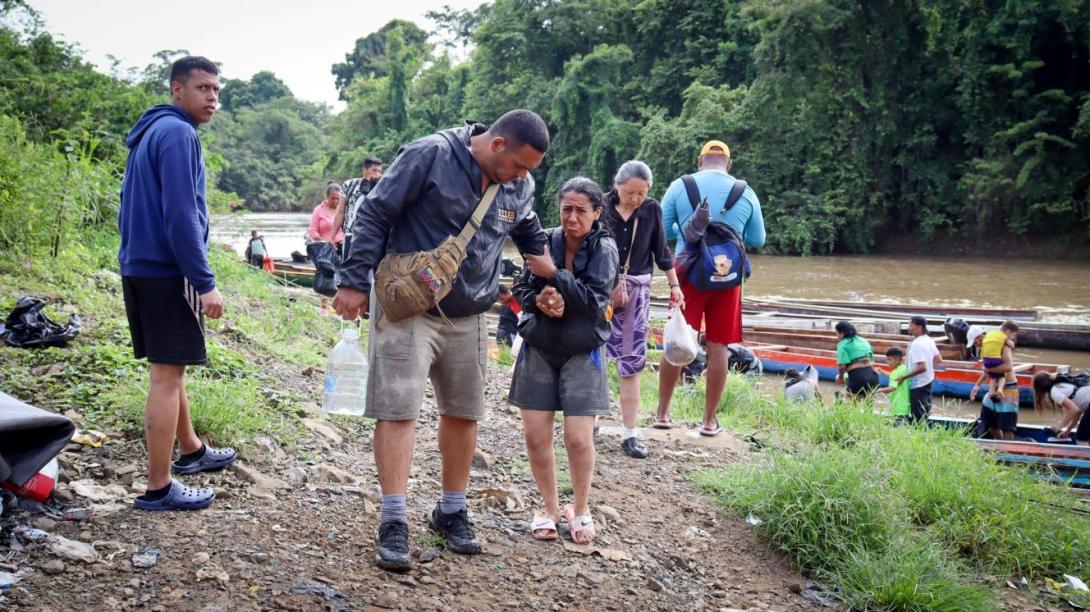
<point>407,284</point>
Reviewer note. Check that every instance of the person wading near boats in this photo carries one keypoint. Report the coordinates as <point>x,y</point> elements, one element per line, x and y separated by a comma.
<point>355,189</point>
<point>719,313</point>
<point>996,356</point>
<point>429,194</point>
<point>855,361</point>
<point>635,221</point>
<point>923,358</point>
<point>999,412</point>
<point>565,296</point>
<point>167,283</point>
<point>1072,395</point>
<point>256,250</point>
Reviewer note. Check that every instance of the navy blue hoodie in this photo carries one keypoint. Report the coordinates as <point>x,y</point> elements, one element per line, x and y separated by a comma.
<point>163,218</point>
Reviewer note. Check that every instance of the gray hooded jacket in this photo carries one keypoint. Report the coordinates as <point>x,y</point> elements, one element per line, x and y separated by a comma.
<point>428,194</point>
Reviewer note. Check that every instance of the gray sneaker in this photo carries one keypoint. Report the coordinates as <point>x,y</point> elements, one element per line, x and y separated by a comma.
<point>455,528</point>
<point>392,543</point>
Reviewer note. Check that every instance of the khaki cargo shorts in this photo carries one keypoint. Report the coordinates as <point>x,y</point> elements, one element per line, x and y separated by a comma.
<point>402,356</point>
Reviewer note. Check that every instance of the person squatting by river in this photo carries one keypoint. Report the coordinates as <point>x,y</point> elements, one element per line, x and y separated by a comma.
<point>1072,395</point>
<point>565,297</point>
<point>720,312</point>
<point>167,282</point>
<point>635,221</point>
<point>429,194</point>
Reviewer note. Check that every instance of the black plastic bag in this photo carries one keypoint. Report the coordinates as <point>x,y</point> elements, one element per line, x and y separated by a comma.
<point>28,327</point>
<point>324,257</point>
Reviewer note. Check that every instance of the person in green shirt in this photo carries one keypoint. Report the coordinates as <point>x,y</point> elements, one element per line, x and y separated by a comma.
<point>899,404</point>
<point>855,361</point>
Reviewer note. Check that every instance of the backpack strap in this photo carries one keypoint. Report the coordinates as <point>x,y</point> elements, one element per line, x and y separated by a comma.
<point>735,194</point>
<point>691,190</point>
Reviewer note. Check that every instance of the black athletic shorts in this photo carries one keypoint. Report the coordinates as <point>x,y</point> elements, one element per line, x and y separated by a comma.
<point>165,320</point>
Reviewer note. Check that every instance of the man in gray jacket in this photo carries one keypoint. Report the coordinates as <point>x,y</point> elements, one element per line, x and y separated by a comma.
<point>428,194</point>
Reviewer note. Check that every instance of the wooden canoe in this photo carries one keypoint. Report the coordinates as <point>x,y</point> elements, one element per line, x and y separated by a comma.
<point>956,379</point>
<point>300,274</point>
<point>821,339</point>
<point>930,310</point>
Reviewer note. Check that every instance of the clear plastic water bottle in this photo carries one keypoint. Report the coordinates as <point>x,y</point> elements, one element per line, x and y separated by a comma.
<point>346,376</point>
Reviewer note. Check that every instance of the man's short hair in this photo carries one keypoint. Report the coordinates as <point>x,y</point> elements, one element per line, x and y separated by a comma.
<point>182,68</point>
<point>522,127</point>
<point>504,290</point>
<point>919,320</point>
<point>371,161</point>
<point>1009,326</point>
<point>895,353</point>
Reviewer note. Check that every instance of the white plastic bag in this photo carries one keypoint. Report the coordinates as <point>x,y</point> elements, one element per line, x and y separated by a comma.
<point>679,340</point>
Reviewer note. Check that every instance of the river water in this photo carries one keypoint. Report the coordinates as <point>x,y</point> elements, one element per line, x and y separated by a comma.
<point>1059,290</point>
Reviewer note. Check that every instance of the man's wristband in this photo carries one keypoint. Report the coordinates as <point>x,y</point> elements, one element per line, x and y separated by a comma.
<point>675,286</point>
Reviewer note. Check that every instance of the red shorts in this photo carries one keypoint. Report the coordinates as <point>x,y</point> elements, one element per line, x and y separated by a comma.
<point>719,311</point>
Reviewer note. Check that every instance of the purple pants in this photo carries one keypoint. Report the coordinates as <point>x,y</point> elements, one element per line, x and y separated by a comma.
<point>628,342</point>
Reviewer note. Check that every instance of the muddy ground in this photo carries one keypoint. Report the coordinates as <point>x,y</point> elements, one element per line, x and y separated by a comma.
<point>293,529</point>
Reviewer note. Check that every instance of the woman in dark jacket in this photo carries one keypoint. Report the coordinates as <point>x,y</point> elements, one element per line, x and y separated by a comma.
<point>635,221</point>
<point>565,297</point>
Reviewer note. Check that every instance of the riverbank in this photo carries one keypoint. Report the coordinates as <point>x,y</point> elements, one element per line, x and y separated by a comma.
<point>292,525</point>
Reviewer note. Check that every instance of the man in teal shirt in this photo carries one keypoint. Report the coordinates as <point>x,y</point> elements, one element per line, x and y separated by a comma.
<point>720,312</point>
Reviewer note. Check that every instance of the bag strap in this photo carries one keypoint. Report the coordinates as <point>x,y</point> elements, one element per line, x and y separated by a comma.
<point>475,219</point>
<point>691,190</point>
<point>632,243</point>
<point>736,192</point>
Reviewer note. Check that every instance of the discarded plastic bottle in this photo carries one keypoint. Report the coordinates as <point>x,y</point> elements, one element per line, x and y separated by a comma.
<point>346,376</point>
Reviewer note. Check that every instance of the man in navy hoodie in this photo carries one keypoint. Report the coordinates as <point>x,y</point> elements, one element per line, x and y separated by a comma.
<point>168,285</point>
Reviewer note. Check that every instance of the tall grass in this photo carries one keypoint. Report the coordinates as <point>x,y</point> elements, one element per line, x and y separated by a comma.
<point>49,193</point>
<point>897,518</point>
<point>266,331</point>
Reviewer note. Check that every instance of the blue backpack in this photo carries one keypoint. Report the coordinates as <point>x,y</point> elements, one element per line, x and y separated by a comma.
<point>718,259</point>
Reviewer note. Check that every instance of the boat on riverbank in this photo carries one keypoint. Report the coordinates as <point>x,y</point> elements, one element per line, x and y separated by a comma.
<point>298,273</point>
<point>826,339</point>
<point>956,379</point>
<point>929,310</point>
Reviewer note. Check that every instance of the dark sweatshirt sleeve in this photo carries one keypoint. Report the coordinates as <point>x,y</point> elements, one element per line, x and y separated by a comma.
<point>179,167</point>
<point>400,186</point>
<point>588,296</point>
<point>660,249</point>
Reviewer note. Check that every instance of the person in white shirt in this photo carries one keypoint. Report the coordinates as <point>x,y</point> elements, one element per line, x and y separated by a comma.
<point>923,357</point>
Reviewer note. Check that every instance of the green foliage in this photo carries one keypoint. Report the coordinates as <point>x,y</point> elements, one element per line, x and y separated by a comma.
<point>37,215</point>
<point>855,122</point>
<point>272,153</point>
<point>266,333</point>
<point>897,518</point>
<point>373,58</point>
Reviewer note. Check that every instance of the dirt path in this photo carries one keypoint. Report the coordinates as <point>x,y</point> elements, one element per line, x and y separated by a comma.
<point>301,536</point>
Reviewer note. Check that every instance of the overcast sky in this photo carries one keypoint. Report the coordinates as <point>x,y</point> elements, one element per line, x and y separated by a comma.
<point>298,41</point>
